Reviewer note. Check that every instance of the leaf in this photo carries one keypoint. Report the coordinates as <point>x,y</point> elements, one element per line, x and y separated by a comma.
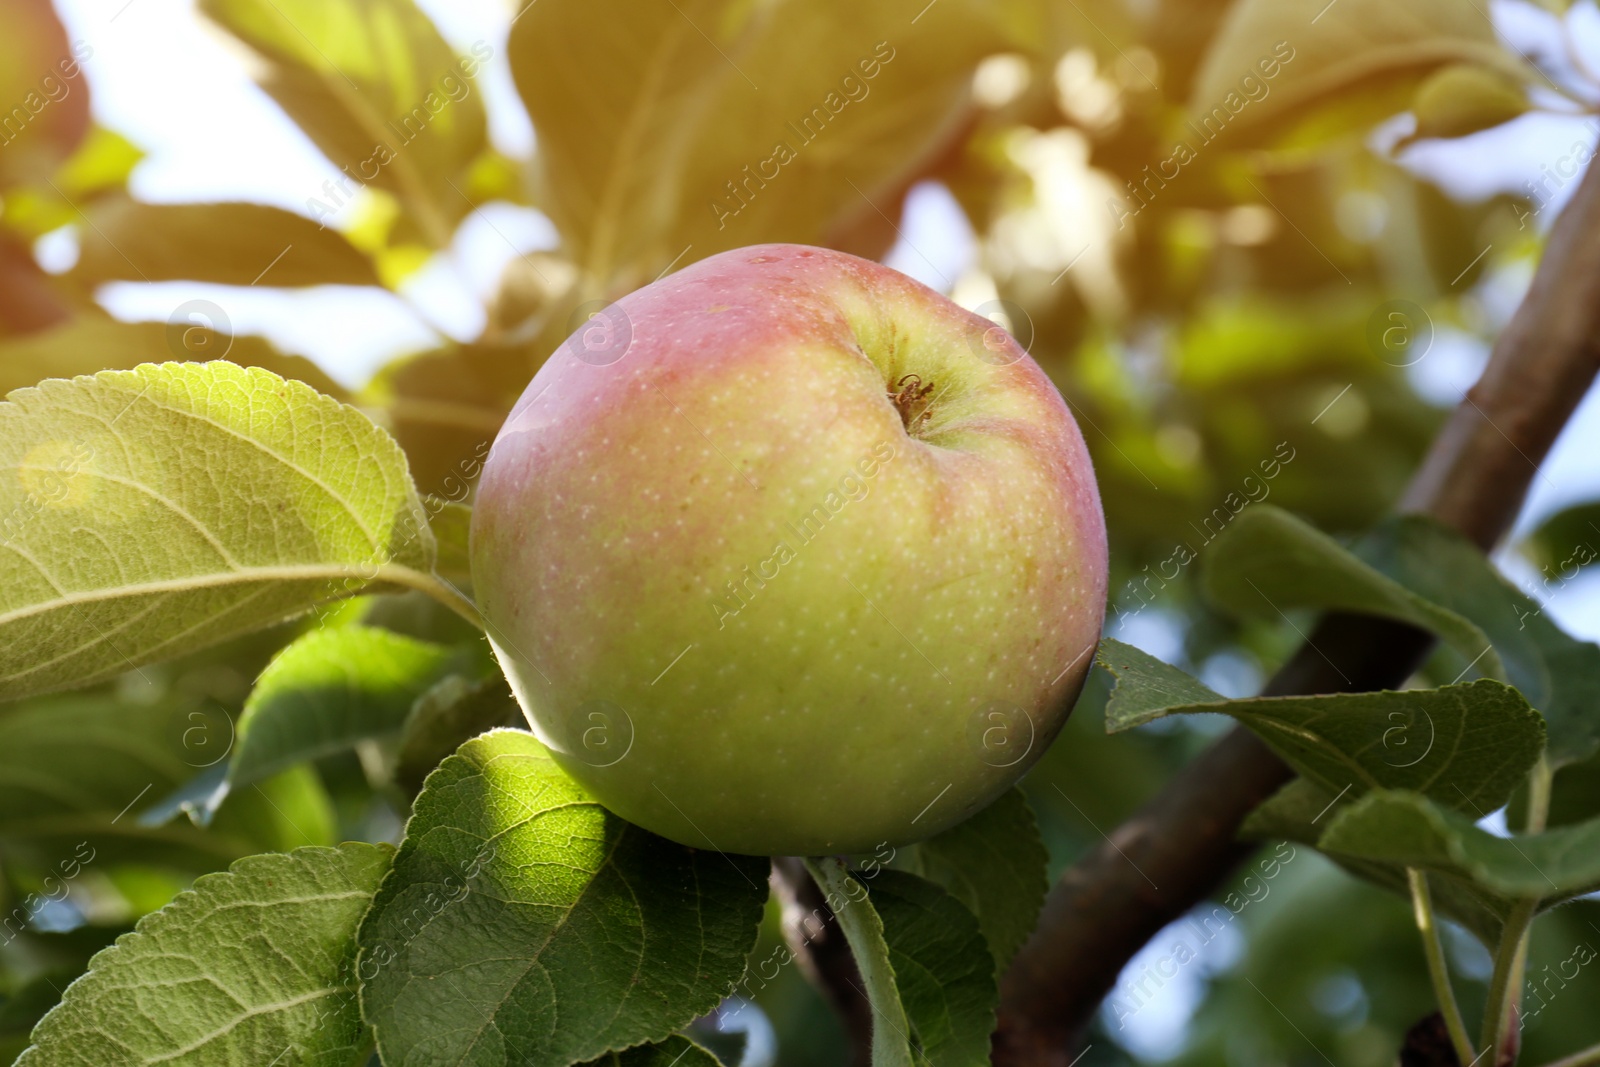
<point>943,969</point>
<point>1464,98</point>
<point>44,92</point>
<point>151,512</point>
<point>1268,562</point>
<point>863,929</point>
<point>452,530</point>
<point>994,864</point>
<point>676,151</point>
<point>88,345</point>
<point>1301,811</point>
<point>1564,544</point>
<point>604,153</point>
<point>378,90</point>
<point>1560,676</point>
<point>328,690</point>
<point>522,922</point>
<point>673,1052</point>
<point>226,243</point>
<point>1146,688</point>
<point>1329,49</point>
<point>447,408</point>
<point>1404,828</point>
<point>252,966</point>
<point>1294,812</point>
<point>1465,745</point>
<point>75,770</point>
<point>446,717</point>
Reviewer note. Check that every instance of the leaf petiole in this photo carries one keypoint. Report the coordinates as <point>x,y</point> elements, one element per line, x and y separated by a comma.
<point>1508,964</point>
<point>1438,971</point>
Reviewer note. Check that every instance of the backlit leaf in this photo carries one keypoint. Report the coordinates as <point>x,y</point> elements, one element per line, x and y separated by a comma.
<point>379,91</point>
<point>147,513</point>
<point>1325,49</point>
<point>229,244</point>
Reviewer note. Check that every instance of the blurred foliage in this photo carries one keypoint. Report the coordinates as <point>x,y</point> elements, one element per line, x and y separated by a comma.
<point>1179,206</point>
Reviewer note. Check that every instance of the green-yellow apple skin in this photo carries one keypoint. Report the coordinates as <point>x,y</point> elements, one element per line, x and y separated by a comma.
<point>746,606</point>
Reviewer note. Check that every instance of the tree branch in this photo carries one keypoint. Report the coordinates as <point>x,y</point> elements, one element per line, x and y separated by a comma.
<point>1179,847</point>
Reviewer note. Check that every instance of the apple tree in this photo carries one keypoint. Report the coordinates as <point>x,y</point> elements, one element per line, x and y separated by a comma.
<point>268,795</point>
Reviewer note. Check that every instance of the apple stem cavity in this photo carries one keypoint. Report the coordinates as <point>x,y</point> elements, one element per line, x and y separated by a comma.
<point>909,392</point>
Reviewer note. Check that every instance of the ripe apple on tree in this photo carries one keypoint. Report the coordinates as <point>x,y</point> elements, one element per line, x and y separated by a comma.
<point>788,554</point>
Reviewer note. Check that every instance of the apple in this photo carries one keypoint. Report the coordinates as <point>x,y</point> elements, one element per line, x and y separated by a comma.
<point>788,554</point>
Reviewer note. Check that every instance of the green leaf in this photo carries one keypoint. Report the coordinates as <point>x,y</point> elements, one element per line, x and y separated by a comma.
<point>330,689</point>
<point>943,969</point>
<point>1405,828</point>
<point>151,512</point>
<point>1298,812</point>
<point>446,717</point>
<point>863,929</point>
<point>1325,50</point>
<point>522,922</point>
<point>1464,98</point>
<point>673,1052</point>
<point>88,345</point>
<point>252,966</point>
<point>1468,745</point>
<point>1560,676</point>
<point>378,90</point>
<point>1564,544</point>
<point>928,971</point>
<point>452,529</point>
<point>1268,562</point>
<point>226,243</point>
<point>1301,811</point>
<point>75,770</point>
<point>1146,688</point>
<point>994,864</point>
